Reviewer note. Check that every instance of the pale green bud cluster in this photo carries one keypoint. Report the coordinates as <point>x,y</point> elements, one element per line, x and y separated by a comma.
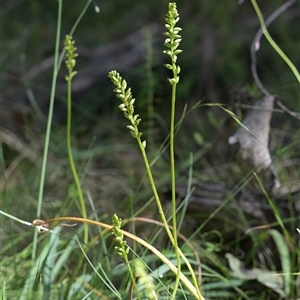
<point>123,249</point>
<point>172,42</point>
<point>127,105</point>
<point>71,57</point>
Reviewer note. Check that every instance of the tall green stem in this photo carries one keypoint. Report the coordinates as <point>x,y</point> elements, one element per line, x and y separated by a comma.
<point>30,280</point>
<point>72,164</point>
<point>49,124</point>
<point>172,43</point>
<point>173,186</point>
<point>70,63</point>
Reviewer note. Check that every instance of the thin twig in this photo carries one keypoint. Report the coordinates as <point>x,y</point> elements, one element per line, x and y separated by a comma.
<point>255,47</point>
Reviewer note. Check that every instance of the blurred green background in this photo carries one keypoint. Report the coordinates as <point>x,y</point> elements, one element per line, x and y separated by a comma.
<point>127,36</point>
<point>216,39</point>
<point>215,66</point>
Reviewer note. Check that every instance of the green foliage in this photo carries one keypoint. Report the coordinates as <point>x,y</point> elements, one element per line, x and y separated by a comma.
<point>62,264</point>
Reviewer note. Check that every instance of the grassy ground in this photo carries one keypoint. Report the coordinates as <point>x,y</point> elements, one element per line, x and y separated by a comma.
<point>231,259</point>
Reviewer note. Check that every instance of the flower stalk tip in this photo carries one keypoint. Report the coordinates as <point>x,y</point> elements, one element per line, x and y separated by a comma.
<point>71,57</point>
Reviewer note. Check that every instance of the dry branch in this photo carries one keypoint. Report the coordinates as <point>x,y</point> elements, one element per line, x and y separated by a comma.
<point>253,154</point>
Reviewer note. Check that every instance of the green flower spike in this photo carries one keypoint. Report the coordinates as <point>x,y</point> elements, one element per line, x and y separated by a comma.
<point>71,57</point>
<point>123,248</point>
<point>127,105</point>
<point>172,41</point>
<point>145,280</point>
